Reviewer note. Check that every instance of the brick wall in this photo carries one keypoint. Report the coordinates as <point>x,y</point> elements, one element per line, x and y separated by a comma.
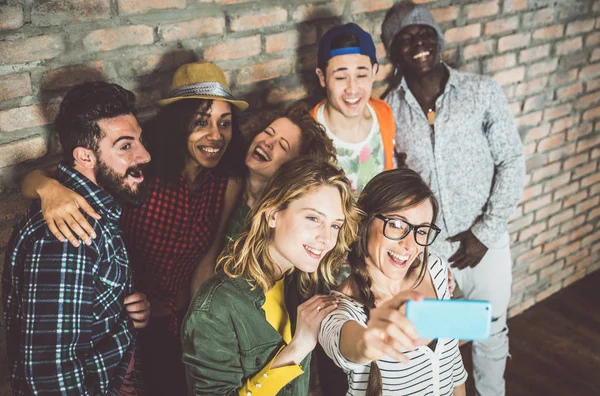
<point>546,55</point>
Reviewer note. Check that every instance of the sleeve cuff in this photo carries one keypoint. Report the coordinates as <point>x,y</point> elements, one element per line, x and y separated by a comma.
<point>270,381</point>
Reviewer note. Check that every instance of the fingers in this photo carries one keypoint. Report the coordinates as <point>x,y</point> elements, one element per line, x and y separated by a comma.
<point>83,205</point>
<point>375,341</point>
<point>458,237</point>
<point>138,309</point>
<point>56,232</point>
<point>64,229</point>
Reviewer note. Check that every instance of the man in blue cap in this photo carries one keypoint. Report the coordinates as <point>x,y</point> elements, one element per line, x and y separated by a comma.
<point>476,169</point>
<point>362,128</point>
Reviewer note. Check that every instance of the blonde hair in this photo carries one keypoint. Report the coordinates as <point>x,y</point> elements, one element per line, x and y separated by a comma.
<point>248,257</point>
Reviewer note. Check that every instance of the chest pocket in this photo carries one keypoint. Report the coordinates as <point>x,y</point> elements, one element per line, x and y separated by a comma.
<point>254,359</point>
<point>113,280</point>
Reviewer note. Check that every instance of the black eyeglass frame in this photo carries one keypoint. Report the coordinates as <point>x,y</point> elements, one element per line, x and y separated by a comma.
<point>410,228</point>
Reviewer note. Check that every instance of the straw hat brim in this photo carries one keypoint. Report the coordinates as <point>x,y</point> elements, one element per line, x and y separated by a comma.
<point>239,104</point>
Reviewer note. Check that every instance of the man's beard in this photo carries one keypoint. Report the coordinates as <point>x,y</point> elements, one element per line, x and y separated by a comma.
<point>115,185</point>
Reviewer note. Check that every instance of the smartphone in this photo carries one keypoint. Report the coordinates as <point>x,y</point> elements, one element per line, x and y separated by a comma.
<point>462,319</point>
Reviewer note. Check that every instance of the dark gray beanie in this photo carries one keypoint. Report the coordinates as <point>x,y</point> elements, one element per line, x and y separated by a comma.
<point>404,14</point>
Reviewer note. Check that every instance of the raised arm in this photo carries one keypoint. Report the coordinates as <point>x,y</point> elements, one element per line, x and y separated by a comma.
<point>61,206</point>
<point>206,266</point>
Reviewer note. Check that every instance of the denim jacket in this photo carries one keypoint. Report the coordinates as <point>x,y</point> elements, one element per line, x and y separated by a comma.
<point>226,338</point>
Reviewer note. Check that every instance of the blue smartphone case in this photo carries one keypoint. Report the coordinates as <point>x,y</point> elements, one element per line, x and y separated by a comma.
<point>462,319</point>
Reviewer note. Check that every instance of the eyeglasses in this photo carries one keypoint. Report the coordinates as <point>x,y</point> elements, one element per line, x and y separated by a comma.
<point>397,229</point>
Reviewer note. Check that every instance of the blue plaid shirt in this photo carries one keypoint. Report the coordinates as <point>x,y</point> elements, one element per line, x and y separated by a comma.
<point>67,330</point>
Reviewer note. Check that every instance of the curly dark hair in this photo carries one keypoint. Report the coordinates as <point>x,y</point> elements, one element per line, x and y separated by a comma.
<point>167,133</point>
<point>314,140</point>
<point>84,105</point>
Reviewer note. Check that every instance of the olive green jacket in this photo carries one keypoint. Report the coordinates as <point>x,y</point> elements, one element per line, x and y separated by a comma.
<point>226,338</point>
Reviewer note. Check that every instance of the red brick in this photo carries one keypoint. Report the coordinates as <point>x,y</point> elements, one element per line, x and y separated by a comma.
<point>595,55</point>
<point>574,278</point>
<point>577,257</point>
<point>280,94</point>
<point>575,199</point>
<point>540,263</point>
<point>561,124</point>
<point>264,71</point>
<point>556,182</point>
<point>578,27</point>
<point>532,86</point>
<point>147,64</point>
<point>224,1</point>
<point>69,76</point>
<point>543,67</point>
<point>545,171</point>
<point>528,255</point>
<point>584,170</point>
<point>125,36</point>
<point>564,78</point>
<point>573,223</point>
<point>483,10</point>
<point>510,76</point>
<point>514,5</point>
<point>359,7</point>
<point>22,150</point>
<point>309,12</point>
<point>531,231</point>
<point>552,245</point>
<point>547,211</point>
<point>522,307</point>
<point>588,181</point>
<point>556,112</point>
<point>570,45</point>
<point>541,17</point>
<point>523,283</point>
<point>26,117</point>
<point>534,102</point>
<point>551,142</point>
<point>233,49</point>
<point>445,14</point>
<point>127,7</point>
<point>569,90</point>
<point>191,29</point>
<point>518,40</point>
<point>544,294</point>
<point>62,12</point>
<point>530,192</point>
<point>529,119</point>
<point>259,19</point>
<point>589,71</point>
<point>592,214</point>
<point>552,269</point>
<point>562,152</point>
<point>537,203</point>
<point>500,62</point>
<point>15,86</point>
<point>588,100</point>
<point>501,25</point>
<point>589,240</point>
<point>11,17</point>
<point>592,40</point>
<point>586,144</point>
<point>591,114</point>
<point>478,49</point>
<point>520,223</point>
<point>566,190</point>
<point>549,32</point>
<point>590,203</point>
<point>580,130</point>
<point>534,53</point>
<point>565,273</point>
<point>290,40</point>
<point>592,85</point>
<point>529,149</point>
<point>463,33</point>
<point>30,49</point>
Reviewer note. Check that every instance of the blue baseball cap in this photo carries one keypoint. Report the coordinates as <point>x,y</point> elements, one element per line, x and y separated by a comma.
<point>366,45</point>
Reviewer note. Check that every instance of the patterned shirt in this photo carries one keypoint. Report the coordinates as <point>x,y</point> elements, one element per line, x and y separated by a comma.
<point>430,372</point>
<point>360,161</point>
<point>67,330</point>
<point>472,158</point>
<point>168,235</point>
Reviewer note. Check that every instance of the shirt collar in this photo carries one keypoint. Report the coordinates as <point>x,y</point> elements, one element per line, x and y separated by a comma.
<point>99,199</point>
<point>452,80</point>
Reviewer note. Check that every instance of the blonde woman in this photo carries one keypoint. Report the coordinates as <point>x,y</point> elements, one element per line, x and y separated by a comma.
<point>245,332</point>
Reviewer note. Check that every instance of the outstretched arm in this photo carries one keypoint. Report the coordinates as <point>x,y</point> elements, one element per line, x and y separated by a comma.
<point>62,207</point>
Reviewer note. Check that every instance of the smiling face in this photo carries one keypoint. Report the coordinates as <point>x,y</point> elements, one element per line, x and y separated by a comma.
<point>416,49</point>
<point>120,157</point>
<point>348,81</point>
<point>210,134</point>
<point>394,258</point>
<point>271,148</point>
<point>306,230</point>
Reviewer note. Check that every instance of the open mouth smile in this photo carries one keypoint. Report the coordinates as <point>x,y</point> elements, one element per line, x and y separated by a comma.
<point>421,55</point>
<point>312,252</point>
<point>260,155</point>
<point>398,259</point>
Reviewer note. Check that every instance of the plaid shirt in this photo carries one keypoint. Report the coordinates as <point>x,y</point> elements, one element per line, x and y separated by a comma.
<point>168,235</point>
<point>67,330</point>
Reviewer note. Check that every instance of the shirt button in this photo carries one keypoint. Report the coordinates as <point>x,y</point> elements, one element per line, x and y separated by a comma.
<point>265,375</point>
<point>258,386</point>
<point>248,393</point>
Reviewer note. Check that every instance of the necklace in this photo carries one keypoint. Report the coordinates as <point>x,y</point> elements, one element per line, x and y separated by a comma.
<point>431,116</point>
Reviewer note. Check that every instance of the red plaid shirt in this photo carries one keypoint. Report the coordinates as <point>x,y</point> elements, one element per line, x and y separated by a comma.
<point>168,235</point>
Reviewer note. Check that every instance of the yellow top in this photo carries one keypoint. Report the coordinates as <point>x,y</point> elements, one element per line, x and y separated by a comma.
<point>270,381</point>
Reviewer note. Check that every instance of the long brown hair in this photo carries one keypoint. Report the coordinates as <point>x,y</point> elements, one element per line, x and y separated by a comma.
<point>248,257</point>
<point>391,191</point>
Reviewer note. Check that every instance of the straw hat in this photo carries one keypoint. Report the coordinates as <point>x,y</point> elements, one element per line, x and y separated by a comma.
<point>201,81</point>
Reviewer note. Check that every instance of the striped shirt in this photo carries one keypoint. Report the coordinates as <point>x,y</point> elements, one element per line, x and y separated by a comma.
<point>429,372</point>
<point>67,330</point>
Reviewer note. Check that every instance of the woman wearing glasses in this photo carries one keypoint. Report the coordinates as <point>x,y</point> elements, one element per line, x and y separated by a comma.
<point>368,335</point>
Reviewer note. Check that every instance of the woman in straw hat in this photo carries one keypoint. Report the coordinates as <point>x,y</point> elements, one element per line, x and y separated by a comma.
<point>194,144</point>
<point>245,333</point>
